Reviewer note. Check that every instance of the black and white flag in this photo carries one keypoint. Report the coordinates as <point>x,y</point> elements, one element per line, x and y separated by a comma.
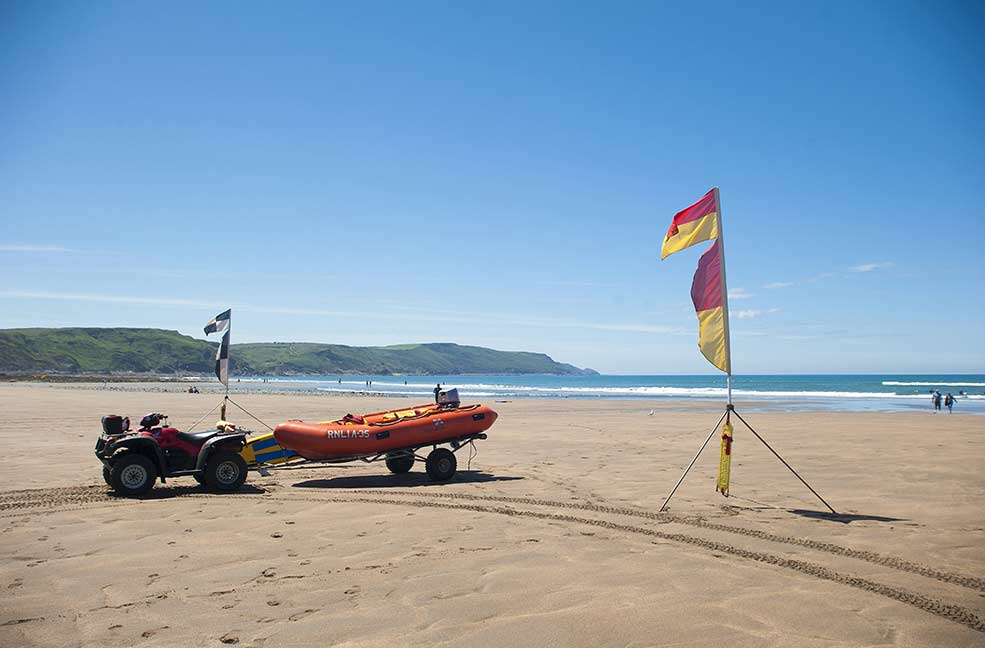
<point>221,323</point>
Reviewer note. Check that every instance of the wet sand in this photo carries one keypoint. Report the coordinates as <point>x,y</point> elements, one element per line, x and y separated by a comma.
<point>551,537</point>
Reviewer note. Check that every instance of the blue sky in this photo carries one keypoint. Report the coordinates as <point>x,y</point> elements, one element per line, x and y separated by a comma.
<point>380,173</point>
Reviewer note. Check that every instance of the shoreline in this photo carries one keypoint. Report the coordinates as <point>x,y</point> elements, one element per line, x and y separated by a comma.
<point>284,390</point>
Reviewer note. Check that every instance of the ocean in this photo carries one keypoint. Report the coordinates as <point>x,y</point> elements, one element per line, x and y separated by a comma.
<point>888,392</point>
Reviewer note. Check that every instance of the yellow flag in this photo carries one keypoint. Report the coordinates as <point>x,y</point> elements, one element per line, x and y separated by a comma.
<point>725,460</point>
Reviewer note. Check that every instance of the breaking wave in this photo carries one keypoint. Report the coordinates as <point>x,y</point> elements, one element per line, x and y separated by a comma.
<point>893,383</point>
<point>487,389</point>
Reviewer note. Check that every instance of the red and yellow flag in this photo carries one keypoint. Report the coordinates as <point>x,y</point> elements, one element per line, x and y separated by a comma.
<point>702,222</point>
<point>708,295</point>
<point>691,226</point>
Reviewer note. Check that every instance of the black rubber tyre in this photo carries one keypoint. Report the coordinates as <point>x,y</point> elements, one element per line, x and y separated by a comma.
<point>132,475</point>
<point>107,476</point>
<point>225,472</point>
<point>441,464</point>
<point>199,479</point>
<point>399,464</point>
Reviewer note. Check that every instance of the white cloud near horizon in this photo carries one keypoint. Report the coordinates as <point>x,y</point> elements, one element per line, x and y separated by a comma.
<point>27,247</point>
<point>625,327</point>
<point>869,267</point>
<point>821,275</point>
<point>751,313</point>
<point>739,293</point>
<point>573,284</point>
<point>778,284</point>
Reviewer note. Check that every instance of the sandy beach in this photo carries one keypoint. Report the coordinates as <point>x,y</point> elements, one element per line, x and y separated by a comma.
<point>552,536</point>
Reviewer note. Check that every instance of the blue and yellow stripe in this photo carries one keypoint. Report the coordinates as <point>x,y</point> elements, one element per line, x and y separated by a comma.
<point>264,449</point>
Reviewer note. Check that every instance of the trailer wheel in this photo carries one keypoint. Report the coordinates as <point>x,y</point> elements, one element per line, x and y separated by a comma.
<point>400,463</point>
<point>132,474</point>
<point>441,464</point>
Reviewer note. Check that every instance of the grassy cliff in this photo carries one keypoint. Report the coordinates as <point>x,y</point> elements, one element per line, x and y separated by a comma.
<point>104,350</point>
<point>155,351</point>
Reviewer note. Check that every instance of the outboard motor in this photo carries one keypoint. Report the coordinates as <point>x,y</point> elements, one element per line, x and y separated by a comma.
<point>449,398</point>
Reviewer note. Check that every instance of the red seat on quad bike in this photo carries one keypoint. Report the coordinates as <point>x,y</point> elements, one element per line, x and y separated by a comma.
<point>198,438</point>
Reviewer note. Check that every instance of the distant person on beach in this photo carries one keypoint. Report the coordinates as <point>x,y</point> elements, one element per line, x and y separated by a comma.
<point>949,402</point>
<point>937,401</point>
<point>437,390</point>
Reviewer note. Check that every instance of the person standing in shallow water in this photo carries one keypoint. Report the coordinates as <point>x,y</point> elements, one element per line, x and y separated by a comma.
<point>949,402</point>
<point>937,402</point>
<point>437,390</point>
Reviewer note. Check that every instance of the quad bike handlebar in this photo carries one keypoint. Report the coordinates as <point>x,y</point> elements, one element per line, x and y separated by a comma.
<point>153,420</point>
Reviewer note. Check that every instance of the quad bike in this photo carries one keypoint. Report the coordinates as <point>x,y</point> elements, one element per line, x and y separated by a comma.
<point>132,461</point>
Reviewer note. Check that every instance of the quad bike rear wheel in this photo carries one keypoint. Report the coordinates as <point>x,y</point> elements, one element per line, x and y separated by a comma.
<point>132,474</point>
<point>225,471</point>
<point>107,476</point>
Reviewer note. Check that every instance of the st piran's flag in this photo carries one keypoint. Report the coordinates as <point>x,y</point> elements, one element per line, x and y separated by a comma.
<point>218,324</point>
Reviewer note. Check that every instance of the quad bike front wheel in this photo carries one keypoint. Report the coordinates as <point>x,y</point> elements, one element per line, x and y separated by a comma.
<point>225,471</point>
<point>107,476</point>
<point>132,474</point>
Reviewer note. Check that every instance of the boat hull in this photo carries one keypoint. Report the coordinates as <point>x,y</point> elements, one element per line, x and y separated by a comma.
<point>381,432</point>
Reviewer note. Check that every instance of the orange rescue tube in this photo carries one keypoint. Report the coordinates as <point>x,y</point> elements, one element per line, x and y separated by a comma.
<point>352,437</point>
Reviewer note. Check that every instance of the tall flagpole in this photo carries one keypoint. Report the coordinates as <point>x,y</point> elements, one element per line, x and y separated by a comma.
<point>729,408</point>
<point>721,259</point>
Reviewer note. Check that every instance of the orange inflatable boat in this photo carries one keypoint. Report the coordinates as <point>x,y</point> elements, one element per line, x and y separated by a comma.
<point>394,435</point>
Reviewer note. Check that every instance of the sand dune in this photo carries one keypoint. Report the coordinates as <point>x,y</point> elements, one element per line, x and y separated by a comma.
<point>550,538</point>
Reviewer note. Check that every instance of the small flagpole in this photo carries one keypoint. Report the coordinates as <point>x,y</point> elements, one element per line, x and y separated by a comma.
<point>222,360</point>
<point>721,259</point>
<point>229,332</point>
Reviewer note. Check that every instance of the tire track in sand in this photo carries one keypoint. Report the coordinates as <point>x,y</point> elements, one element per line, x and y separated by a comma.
<point>883,560</point>
<point>35,498</point>
<point>43,500</point>
<point>937,607</point>
<point>80,495</point>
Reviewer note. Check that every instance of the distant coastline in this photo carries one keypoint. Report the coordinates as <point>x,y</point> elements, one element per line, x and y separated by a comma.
<point>149,353</point>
